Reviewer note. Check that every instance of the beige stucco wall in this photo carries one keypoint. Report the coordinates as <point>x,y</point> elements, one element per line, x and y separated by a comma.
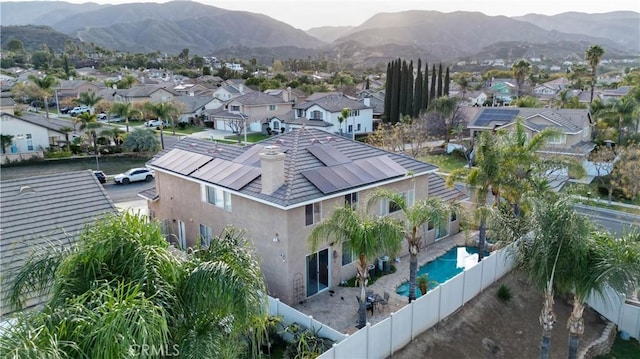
<point>180,199</point>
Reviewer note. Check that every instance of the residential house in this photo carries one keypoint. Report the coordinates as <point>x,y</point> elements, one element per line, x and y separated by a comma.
<point>288,94</point>
<point>42,212</point>
<point>256,108</point>
<point>192,90</point>
<point>375,99</point>
<point>231,89</point>
<point>145,93</point>
<point>277,190</point>
<point>33,134</point>
<point>7,105</point>
<point>193,107</point>
<point>617,94</point>
<point>322,110</point>
<point>574,124</point>
<point>503,91</point>
<point>73,88</point>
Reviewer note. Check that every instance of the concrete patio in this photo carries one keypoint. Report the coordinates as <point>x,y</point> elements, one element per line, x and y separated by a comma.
<point>338,307</point>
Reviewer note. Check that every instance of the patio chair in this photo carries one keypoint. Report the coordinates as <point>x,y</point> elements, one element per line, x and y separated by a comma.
<point>384,301</point>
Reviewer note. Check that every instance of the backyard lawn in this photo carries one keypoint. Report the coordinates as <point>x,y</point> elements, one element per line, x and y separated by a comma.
<point>446,163</point>
<point>623,349</point>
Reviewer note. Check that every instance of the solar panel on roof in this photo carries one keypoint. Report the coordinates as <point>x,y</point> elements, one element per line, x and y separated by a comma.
<point>329,155</point>
<point>182,162</point>
<point>250,156</point>
<point>227,174</point>
<point>354,174</point>
<point>489,115</point>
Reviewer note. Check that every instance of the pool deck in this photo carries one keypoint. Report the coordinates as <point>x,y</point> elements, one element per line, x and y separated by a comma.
<point>338,307</point>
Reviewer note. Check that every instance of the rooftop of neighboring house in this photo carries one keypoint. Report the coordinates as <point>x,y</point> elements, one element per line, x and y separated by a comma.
<point>193,103</point>
<point>50,210</point>
<point>144,90</point>
<point>332,102</point>
<point>317,165</point>
<point>52,123</point>
<point>569,121</point>
<point>257,98</point>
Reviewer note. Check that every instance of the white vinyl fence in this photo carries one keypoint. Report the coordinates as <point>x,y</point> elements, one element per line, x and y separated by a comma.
<point>626,314</point>
<point>290,316</point>
<point>384,338</point>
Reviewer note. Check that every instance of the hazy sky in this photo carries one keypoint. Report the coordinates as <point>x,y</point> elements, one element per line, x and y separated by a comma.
<point>305,14</point>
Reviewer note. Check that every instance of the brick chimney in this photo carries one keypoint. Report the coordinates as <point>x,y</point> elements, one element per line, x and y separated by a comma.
<point>272,169</point>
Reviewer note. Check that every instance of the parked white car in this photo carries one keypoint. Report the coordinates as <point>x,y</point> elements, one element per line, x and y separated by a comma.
<point>134,175</point>
<point>156,123</point>
<point>78,110</point>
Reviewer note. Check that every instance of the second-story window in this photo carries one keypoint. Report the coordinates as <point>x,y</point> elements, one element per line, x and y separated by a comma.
<point>389,207</point>
<point>351,200</point>
<point>312,214</point>
<point>272,107</point>
<point>235,108</point>
<point>316,115</point>
<point>217,197</point>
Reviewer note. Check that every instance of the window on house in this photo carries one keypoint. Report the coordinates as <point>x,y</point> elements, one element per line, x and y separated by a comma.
<point>312,213</point>
<point>29,142</point>
<point>388,207</point>
<point>205,236</point>
<point>217,197</point>
<point>299,113</point>
<point>350,128</point>
<point>358,127</point>
<point>347,253</point>
<point>351,200</point>
<point>316,115</point>
<point>235,108</point>
<point>558,139</point>
<point>272,107</point>
<point>355,113</point>
<point>454,216</point>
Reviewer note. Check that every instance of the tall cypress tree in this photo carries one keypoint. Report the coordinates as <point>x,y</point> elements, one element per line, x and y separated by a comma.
<point>395,94</point>
<point>417,92</point>
<point>433,92</point>
<point>404,79</point>
<point>439,93</point>
<point>387,93</point>
<point>446,83</point>
<point>409,105</point>
<point>425,88</point>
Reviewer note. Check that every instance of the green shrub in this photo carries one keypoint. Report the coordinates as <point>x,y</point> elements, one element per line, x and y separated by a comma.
<point>504,293</point>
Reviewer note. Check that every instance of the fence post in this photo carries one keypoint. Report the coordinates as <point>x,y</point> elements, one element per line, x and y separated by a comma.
<point>391,333</point>
<point>369,350</point>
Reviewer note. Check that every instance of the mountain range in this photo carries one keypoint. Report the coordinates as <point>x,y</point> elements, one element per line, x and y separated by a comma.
<point>436,36</point>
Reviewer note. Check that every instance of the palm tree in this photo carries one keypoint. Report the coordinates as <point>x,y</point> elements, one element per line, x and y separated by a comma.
<point>89,121</point>
<point>114,292</point>
<point>344,115</point>
<point>44,84</point>
<point>523,170</point>
<point>368,237</point>
<point>116,135</point>
<point>593,55</point>
<point>126,110</point>
<point>164,111</point>
<point>521,70</point>
<point>446,107</point>
<point>89,99</point>
<point>606,262</point>
<point>67,130</point>
<point>483,178</point>
<point>623,108</point>
<point>5,141</point>
<point>429,210</point>
<point>141,140</point>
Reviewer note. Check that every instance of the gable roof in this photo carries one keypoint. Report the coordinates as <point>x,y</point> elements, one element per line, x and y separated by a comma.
<point>567,120</point>
<point>46,209</point>
<point>257,98</point>
<point>144,91</point>
<point>193,103</point>
<point>53,124</point>
<point>333,102</point>
<point>302,163</point>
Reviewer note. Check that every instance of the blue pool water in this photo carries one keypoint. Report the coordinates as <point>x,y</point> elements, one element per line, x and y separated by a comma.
<point>445,267</point>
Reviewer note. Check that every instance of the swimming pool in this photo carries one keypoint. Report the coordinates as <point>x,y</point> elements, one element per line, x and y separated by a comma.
<point>445,267</point>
